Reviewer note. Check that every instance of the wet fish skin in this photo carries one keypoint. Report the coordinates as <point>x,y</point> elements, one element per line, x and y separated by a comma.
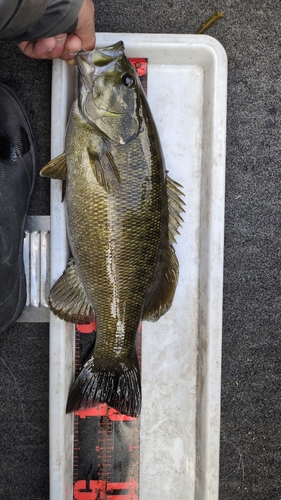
<point>120,224</point>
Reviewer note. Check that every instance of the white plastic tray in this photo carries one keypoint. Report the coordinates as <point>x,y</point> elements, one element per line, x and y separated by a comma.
<point>181,358</point>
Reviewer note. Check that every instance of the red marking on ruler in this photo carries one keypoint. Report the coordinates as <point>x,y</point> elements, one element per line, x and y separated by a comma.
<point>96,411</point>
<point>115,416</point>
<point>91,327</point>
<point>140,65</point>
<point>102,490</point>
<point>92,490</point>
<point>102,411</point>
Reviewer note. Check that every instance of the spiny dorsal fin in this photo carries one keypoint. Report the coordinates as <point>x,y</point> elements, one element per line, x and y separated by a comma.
<point>163,287</point>
<point>175,205</point>
<point>56,168</point>
<point>68,299</point>
<point>104,169</point>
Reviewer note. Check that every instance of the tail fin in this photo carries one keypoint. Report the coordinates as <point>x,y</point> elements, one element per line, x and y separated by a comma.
<point>117,384</point>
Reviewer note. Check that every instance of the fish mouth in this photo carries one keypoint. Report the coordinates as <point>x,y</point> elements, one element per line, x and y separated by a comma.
<point>85,67</point>
<point>89,72</point>
<point>97,60</point>
<point>111,51</point>
<point>85,57</point>
<point>97,56</point>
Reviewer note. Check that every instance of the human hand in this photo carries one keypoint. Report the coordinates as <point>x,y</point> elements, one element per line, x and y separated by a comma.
<point>65,46</point>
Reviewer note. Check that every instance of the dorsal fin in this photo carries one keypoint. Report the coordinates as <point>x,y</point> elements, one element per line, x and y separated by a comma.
<point>175,205</point>
<point>164,283</point>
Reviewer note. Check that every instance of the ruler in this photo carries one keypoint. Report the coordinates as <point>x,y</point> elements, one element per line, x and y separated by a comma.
<point>106,446</point>
<point>106,443</point>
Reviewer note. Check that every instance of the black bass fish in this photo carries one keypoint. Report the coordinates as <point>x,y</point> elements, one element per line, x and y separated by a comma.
<point>123,212</point>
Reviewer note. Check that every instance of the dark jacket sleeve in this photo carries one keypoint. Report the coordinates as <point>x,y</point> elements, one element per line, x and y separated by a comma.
<point>30,20</point>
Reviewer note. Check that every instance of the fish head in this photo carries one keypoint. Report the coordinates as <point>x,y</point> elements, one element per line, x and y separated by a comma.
<point>110,93</point>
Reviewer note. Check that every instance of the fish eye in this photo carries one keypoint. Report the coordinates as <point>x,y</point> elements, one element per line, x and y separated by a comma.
<point>127,80</point>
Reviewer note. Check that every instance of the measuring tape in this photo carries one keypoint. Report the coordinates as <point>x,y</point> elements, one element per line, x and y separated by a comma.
<point>106,443</point>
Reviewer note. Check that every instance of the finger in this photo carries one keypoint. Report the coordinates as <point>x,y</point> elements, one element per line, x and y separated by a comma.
<point>42,49</point>
<point>28,49</point>
<point>61,39</point>
<point>47,48</point>
<point>72,62</point>
<point>23,46</point>
<point>72,46</point>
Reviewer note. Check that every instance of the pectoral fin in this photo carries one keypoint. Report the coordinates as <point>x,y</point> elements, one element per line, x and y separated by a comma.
<point>68,299</point>
<point>56,168</point>
<point>104,169</point>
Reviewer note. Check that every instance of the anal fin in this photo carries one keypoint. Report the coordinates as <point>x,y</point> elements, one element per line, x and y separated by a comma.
<point>68,299</point>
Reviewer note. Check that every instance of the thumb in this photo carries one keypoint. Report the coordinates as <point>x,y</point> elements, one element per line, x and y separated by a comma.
<point>86,27</point>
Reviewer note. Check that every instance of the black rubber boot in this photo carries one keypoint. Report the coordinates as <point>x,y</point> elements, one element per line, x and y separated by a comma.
<point>17,176</point>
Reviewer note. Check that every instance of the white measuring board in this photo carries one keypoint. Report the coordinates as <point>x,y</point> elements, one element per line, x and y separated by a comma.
<point>181,353</point>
